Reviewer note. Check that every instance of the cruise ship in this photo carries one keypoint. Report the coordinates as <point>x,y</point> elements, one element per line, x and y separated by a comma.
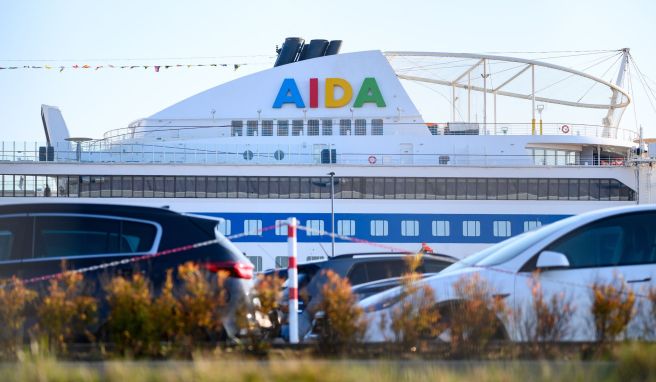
<point>335,140</point>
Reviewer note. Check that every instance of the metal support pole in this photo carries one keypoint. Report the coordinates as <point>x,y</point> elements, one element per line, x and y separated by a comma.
<point>453,103</point>
<point>485,97</point>
<point>533,99</point>
<point>292,275</point>
<point>495,113</point>
<point>332,213</point>
<point>469,97</point>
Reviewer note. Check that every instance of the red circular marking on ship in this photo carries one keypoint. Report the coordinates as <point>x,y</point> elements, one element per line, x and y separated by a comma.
<point>372,159</point>
<point>565,129</point>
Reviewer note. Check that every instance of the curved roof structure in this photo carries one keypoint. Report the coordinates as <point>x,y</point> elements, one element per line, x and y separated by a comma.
<point>513,77</point>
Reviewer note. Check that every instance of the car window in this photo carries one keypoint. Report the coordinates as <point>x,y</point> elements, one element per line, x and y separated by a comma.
<point>137,237</point>
<point>379,270</point>
<point>619,240</point>
<point>358,274</point>
<point>14,232</point>
<point>433,266</point>
<point>63,236</point>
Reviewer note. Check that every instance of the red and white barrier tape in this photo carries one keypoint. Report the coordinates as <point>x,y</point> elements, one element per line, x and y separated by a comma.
<point>139,258</point>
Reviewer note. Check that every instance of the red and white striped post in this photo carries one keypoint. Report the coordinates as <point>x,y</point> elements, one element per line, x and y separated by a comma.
<point>292,275</point>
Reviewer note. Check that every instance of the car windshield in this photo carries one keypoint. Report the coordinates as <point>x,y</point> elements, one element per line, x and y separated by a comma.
<point>508,249</point>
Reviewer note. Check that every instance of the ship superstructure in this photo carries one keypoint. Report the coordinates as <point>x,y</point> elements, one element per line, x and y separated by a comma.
<point>285,141</point>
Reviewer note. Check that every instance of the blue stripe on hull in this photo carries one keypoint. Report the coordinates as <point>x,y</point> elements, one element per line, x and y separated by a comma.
<point>363,226</point>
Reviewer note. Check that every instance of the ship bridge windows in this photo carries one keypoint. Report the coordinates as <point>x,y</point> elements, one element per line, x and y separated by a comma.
<point>360,127</point>
<point>377,126</point>
<point>265,187</point>
<point>237,128</point>
<point>344,127</point>
<point>267,128</point>
<point>251,128</point>
<point>327,127</point>
<point>297,127</point>
<point>313,127</point>
<point>283,128</point>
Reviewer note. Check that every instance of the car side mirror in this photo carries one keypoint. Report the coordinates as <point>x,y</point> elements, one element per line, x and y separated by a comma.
<point>552,260</point>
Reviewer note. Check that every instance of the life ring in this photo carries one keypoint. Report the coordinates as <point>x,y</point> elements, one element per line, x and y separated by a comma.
<point>565,129</point>
<point>372,159</point>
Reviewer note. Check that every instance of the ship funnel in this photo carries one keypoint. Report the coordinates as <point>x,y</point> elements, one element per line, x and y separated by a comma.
<point>294,49</point>
<point>316,48</point>
<point>289,51</point>
<point>333,47</point>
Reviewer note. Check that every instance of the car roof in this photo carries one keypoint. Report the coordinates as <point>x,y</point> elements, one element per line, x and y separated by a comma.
<point>388,281</point>
<point>65,207</point>
<point>382,255</point>
<point>612,211</point>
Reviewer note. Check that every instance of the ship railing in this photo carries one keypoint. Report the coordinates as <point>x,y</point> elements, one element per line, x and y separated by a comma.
<point>551,129</point>
<point>451,128</point>
<point>64,152</point>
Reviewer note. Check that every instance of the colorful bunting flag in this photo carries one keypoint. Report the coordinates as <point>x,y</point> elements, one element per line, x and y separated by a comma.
<point>97,67</point>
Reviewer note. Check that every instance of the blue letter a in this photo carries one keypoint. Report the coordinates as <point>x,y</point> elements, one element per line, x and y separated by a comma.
<point>288,93</point>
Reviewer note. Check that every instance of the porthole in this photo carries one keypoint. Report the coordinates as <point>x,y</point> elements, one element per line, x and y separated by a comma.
<point>279,155</point>
<point>248,155</point>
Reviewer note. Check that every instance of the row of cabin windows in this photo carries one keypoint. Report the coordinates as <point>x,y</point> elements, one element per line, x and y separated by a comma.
<point>380,227</point>
<point>617,241</point>
<point>313,127</point>
<point>265,187</point>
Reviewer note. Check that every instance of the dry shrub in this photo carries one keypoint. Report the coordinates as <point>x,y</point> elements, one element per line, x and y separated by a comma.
<point>257,327</point>
<point>66,314</point>
<point>166,312</point>
<point>612,309</point>
<point>266,325</point>
<point>416,316</point>
<point>202,303</point>
<point>650,322</point>
<point>131,326</point>
<point>268,290</point>
<point>548,320</point>
<point>14,301</point>
<point>344,319</point>
<point>475,315</point>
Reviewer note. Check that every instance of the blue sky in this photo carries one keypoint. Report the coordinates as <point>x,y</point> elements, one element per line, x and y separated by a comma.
<point>150,32</point>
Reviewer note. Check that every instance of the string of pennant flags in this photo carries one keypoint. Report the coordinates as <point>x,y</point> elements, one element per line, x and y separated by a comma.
<point>156,68</point>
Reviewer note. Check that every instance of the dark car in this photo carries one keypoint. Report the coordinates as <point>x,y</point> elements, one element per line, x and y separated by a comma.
<point>38,239</point>
<point>359,268</point>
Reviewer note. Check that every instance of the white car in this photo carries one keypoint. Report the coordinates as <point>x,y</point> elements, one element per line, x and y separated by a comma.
<point>571,254</point>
